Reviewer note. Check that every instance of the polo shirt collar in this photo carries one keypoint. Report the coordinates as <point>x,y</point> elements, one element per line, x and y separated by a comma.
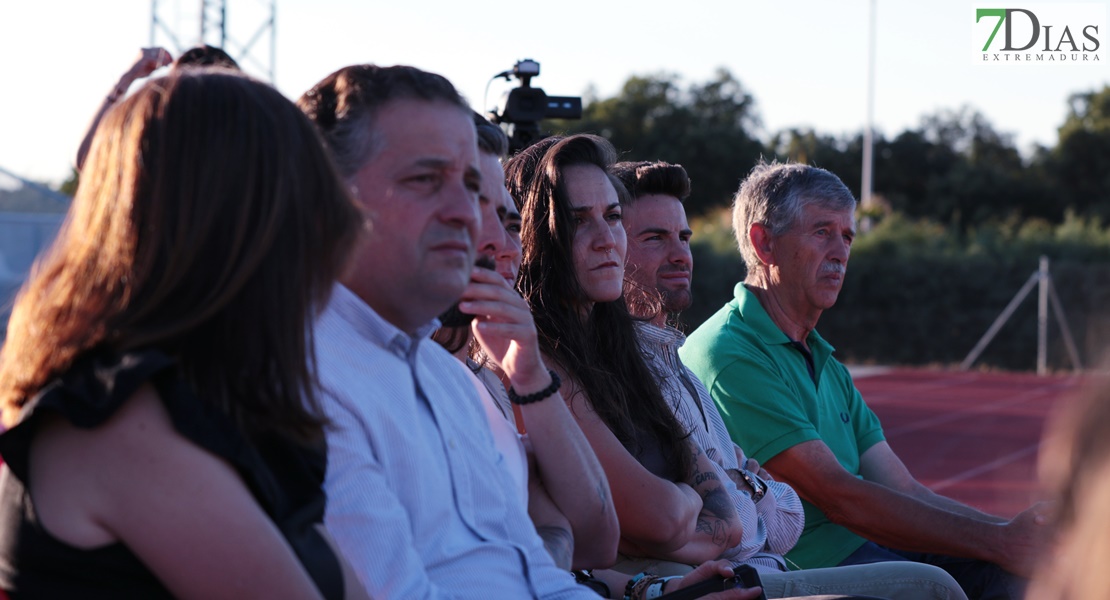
<point>756,317</point>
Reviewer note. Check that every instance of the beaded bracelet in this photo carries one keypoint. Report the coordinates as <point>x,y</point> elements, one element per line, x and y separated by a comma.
<point>657,588</point>
<point>628,587</point>
<point>640,589</point>
<point>540,395</point>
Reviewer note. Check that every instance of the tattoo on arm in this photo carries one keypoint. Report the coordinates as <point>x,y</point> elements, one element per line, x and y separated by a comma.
<point>716,503</point>
<point>559,543</point>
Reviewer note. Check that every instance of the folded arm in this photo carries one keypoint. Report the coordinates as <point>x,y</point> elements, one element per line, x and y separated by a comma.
<point>551,525</point>
<point>660,518</point>
<point>780,509</point>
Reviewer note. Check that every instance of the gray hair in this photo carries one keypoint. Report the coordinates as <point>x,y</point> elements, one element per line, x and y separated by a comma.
<point>774,195</point>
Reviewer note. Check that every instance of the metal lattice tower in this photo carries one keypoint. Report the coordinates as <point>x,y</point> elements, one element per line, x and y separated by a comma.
<point>168,24</point>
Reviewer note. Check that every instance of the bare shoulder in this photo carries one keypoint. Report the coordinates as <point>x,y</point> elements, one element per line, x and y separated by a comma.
<point>133,446</point>
<point>184,511</point>
<point>66,458</point>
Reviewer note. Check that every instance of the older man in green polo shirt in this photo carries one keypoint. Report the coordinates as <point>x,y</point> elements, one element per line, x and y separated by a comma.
<point>794,408</point>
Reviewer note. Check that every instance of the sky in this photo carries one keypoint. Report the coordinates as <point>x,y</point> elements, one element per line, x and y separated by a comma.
<point>804,61</point>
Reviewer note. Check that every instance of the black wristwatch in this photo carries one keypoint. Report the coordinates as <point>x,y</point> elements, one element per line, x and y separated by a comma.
<point>759,487</point>
<point>587,579</point>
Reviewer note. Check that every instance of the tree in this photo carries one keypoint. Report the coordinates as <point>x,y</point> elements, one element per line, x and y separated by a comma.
<point>1080,164</point>
<point>956,168</point>
<point>707,128</point>
<point>841,156</point>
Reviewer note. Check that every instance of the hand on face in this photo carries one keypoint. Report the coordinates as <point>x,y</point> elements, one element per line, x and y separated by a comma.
<point>500,234</point>
<point>502,324</point>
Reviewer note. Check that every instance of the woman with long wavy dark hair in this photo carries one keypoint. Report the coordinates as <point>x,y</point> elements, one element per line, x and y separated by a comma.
<point>669,501</point>
<point>157,379</point>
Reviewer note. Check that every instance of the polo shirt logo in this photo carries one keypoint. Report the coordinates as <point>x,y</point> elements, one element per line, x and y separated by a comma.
<point>844,417</point>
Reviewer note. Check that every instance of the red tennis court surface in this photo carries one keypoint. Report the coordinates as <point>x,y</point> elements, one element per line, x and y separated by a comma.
<point>967,435</point>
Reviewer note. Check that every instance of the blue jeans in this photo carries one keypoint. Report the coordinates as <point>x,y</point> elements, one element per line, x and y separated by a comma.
<point>980,580</point>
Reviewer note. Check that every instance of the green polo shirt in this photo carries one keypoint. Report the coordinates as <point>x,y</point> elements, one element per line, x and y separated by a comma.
<point>769,402</point>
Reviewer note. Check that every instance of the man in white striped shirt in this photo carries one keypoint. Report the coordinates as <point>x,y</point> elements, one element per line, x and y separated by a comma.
<point>417,499</point>
<point>658,284</point>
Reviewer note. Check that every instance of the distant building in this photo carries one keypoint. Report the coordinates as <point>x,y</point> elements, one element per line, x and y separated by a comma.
<point>30,215</point>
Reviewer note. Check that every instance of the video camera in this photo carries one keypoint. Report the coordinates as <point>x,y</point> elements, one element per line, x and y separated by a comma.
<point>522,108</point>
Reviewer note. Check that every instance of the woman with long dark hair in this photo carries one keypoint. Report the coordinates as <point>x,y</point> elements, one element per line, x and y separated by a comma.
<point>670,503</point>
<point>157,377</point>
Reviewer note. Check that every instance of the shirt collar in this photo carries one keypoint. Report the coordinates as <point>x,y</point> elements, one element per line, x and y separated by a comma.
<point>757,318</point>
<point>666,336</point>
<point>369,324</point>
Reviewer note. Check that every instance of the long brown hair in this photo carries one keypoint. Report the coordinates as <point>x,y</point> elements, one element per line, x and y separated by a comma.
<point>602,353</point>
<point>208,224</point>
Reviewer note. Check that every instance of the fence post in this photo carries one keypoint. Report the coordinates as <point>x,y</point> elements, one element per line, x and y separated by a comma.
<point>998,323</point>
<point>1046,292</point>
<point>1042,317</point>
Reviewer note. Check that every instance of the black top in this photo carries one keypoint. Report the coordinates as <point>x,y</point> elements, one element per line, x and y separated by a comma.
<point>285,478</point>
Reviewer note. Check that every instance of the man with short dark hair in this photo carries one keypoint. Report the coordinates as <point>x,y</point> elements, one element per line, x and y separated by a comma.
<point>659,274</point>
<point>417,498</point>
<point>794,407</point>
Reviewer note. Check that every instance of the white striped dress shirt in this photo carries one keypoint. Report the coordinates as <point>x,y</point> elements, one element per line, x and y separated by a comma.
<point>416,498</point>
<point>771,526</point>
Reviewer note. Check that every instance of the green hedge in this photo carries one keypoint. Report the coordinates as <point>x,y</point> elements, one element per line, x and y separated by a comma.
<point>919,293</point>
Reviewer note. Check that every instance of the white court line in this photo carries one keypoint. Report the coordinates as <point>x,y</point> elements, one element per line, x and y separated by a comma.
<point>863,371</point>
<point>960,414</point>
<point>992,465</point>
<point>909,389</point>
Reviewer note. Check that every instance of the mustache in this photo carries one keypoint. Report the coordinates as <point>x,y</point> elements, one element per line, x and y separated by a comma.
<point>486,262</point>
<point>453,317</point>
<point>831,268</point>
<point>675,269</point>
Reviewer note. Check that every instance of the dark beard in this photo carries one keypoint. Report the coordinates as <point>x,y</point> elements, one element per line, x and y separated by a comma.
<point>453,317</point>
<point>674,302</point>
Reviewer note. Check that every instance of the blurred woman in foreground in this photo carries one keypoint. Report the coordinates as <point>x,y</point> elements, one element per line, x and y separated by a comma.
<point>157,381</point>
<point>1075,468</point>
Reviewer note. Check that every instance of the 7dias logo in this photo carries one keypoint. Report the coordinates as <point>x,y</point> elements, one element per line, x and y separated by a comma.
<point>1039,34</point>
